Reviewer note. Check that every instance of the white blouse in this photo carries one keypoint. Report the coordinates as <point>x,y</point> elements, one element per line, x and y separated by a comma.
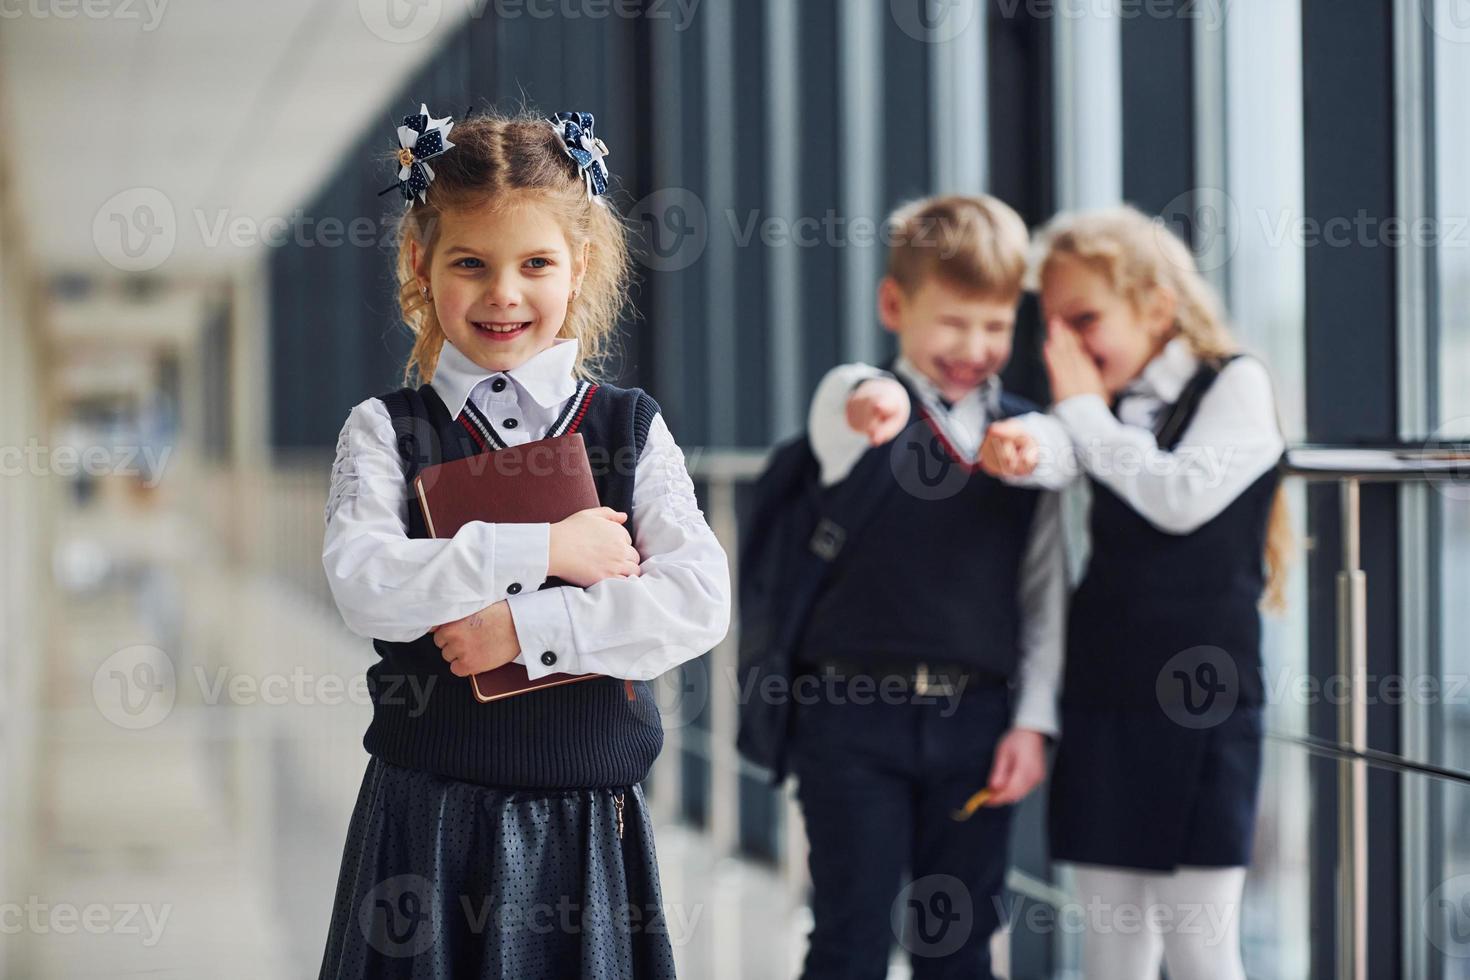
<point>393,587</point>
<point>1233,439</point>
<point>1043,585</point>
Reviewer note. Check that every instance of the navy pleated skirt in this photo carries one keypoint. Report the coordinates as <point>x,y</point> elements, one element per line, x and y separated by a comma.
<point>1133,789</point>
<point>448,880</point>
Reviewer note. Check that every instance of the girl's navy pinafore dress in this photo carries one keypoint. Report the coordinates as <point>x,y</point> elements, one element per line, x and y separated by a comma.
<point>507,840</point>
<point>1159,759</point>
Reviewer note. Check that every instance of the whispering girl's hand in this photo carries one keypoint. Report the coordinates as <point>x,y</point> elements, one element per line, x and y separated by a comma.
<point>1072,370</point>
<point>479,642</point>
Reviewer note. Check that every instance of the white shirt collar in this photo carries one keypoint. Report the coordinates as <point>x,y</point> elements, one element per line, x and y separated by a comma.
<point>546,376</point>
<point>1165,376</point>
<point>988,392</point>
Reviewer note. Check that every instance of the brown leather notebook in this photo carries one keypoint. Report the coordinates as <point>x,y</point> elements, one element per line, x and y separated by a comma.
<point>541,481</point>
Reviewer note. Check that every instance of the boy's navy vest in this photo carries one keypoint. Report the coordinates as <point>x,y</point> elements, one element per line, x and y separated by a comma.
<point>934,573</point>
<point>1148,596</point>
<point>583,735</point>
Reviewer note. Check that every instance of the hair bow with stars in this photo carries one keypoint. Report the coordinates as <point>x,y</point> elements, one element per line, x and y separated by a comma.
<point>575,130</point>
<point>421,137</point>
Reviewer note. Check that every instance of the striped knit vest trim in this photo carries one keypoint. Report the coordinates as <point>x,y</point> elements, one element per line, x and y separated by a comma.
<point>483,430</point>
<point>584,735</point>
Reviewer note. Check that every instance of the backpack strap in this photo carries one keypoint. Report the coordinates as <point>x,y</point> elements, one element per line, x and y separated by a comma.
<point>396,402</point>
<point>848,505</point>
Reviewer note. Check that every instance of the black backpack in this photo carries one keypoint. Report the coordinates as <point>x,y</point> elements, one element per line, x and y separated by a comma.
<point>793,533</point>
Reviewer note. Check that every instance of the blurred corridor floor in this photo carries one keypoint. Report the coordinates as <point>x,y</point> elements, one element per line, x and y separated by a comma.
<point>191,828</point>
<point>132,826</point>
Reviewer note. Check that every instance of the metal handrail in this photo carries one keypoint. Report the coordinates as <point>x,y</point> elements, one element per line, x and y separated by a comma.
<point>1350,466</point>
<point>1424,460</point>
<point>1378,462</point>
<point>1376,758</point>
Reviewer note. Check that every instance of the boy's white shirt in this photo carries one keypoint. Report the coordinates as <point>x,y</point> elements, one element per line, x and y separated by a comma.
<point>1043,585</point>
<point>1233,439</point>
<point>393,587</point>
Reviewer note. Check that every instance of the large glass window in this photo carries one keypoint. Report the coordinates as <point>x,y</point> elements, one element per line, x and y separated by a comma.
<point>1259,118</point>
<point>1445,893</point>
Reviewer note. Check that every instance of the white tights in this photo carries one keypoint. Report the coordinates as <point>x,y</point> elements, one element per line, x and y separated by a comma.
<point>1189,918</point>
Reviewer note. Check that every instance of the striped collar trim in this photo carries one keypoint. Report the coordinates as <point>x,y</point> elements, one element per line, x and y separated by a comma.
<point>571,416</point>
<point>937,427</point>
<point>484,432</point>
<point>480,427</point>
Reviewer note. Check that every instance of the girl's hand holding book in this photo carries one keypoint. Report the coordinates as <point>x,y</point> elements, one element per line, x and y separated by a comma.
<point>590,546</point>
<point>585,548</point>
<point>481,641</point>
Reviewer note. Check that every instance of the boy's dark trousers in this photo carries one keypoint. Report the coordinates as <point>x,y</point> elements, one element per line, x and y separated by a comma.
<point>879,779</point>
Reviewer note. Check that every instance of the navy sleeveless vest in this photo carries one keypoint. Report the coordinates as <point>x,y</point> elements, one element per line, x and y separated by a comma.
<point>934,573</point>
<point>1148,595</point>
<point>603,732</point>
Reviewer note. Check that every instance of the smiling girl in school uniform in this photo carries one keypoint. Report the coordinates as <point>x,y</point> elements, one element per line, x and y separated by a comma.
<point>1153,795</point>
<point>510,839</point>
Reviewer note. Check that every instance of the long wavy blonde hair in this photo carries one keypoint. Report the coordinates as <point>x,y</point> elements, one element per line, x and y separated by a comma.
<point>504,160</point>
<point>1136,254</point>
